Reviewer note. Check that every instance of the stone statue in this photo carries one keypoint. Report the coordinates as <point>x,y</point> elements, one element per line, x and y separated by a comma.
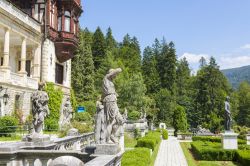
<point>109,97</point>
<point>228,114</point>
<point>100,124</point>
<point>67,113</point>
<point>40,108</point>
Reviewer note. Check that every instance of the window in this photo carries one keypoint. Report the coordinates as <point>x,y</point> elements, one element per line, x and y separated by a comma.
<point>59,74</point>
<point>67,21</point>
<point>28,67</point>
<point>52,14</point>
<point>1,61</point>
<point>59,26</point>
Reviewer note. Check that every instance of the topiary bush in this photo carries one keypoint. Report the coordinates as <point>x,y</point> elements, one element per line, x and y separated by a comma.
<point>206,138</point>
<point>83,117</point>
<point>164,134</point>
<point>243,157</point>
<point>147,143</point>
<point>8,125</point>
<point>138,156</point>
<point>90,107</point>
<point>55,102</point>
<point>150,140</point>
<point>214,139</point>
<point>211,151</point>
<point>82,127</point>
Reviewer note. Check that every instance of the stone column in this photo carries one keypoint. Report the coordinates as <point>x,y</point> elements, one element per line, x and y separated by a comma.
<point>23,56</point>
<point>37,62</point>
<point>6,49</point>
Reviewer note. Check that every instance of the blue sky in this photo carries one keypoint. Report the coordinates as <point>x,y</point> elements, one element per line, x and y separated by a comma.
<point>219,28</point>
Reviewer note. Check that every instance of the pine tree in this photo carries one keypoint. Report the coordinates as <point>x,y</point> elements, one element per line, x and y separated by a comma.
<point>212,88</point>
<point>243,117</point>
<point>83,69</point>
<point>109,40</point>
<point>167,67</point>
<point>149,70</point>
<point>98,48</point>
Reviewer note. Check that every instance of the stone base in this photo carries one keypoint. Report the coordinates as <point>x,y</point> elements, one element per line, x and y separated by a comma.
<point>107,149</point>
<point>248,139</point>
<point>229,140</point>
<point>37,141</point>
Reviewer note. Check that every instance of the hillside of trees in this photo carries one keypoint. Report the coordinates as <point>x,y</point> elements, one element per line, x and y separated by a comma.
<point>237,75</point>
<point>154,81</point>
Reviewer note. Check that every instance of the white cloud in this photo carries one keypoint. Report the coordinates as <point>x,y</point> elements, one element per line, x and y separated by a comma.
<point>246,46</point>
<point>193,58</point>
<point>233,62</point>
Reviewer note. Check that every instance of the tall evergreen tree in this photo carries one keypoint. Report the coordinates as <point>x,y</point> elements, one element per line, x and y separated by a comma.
<point>211,89</point>
<point>98,48</point>
<point>167,67</point>
<point>83,69</point>
<point>109,39</point>
<point>149,70</point>
<point>243,117</point>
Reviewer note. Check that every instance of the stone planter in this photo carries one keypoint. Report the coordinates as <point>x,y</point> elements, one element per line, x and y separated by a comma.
<point>248,139</point>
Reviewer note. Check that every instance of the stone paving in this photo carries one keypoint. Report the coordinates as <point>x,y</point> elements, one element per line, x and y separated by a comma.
<point>170,153</point>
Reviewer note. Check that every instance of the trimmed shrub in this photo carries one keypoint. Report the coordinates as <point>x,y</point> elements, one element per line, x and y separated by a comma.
<point>214,139</point>
<point>83,117</point>
<point>150,140</point>
<point>147,143</point>
<point>206,138</point>
<point>90,107</point>
<point>82,127</point>
<point>138,156</point>
<point>8,125</point>
<point>243,157</point>
<point>211,151</point>
<point>164,134</point>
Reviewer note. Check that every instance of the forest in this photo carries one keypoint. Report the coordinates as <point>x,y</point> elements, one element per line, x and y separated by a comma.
<point>154,81</point>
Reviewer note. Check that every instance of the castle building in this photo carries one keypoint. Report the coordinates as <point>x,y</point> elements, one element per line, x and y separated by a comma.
<point>37,41</point>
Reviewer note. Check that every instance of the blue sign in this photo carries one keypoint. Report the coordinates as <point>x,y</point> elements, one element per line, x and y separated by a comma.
<point>80,109</point>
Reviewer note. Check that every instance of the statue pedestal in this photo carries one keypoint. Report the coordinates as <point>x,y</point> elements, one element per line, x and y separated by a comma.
<point>229,140</point>
<point>107,149</point>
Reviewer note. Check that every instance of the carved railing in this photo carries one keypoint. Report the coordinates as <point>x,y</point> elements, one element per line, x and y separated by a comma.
<point>19,14</point>
<point>74,142</point>
<point>17,79</point>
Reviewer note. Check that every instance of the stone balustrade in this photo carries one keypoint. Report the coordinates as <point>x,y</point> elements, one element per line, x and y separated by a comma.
<point>74,142</point>
<point>20,15</point>
<point>18,80</point>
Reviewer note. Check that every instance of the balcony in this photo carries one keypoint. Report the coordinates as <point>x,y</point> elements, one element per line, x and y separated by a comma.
<point>18,80</point>
<point>18,15</point>
<point>66,44</point>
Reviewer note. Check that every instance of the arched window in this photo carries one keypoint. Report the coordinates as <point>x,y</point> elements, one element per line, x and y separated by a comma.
<point>67,21</point>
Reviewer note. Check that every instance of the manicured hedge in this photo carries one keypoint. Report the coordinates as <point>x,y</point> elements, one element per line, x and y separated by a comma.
<point>243,157</point>
<point>8,125</point>
<point>164,134</point>
<point>206,138</point>
<point>211,151</point>
<point>138,156</point>
<point>213,139</point>
<point>150,140</point>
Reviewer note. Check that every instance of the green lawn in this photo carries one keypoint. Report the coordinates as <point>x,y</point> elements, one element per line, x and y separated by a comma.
<point>192,162</point>
<point>13,138</point>
<point>130,142</point>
